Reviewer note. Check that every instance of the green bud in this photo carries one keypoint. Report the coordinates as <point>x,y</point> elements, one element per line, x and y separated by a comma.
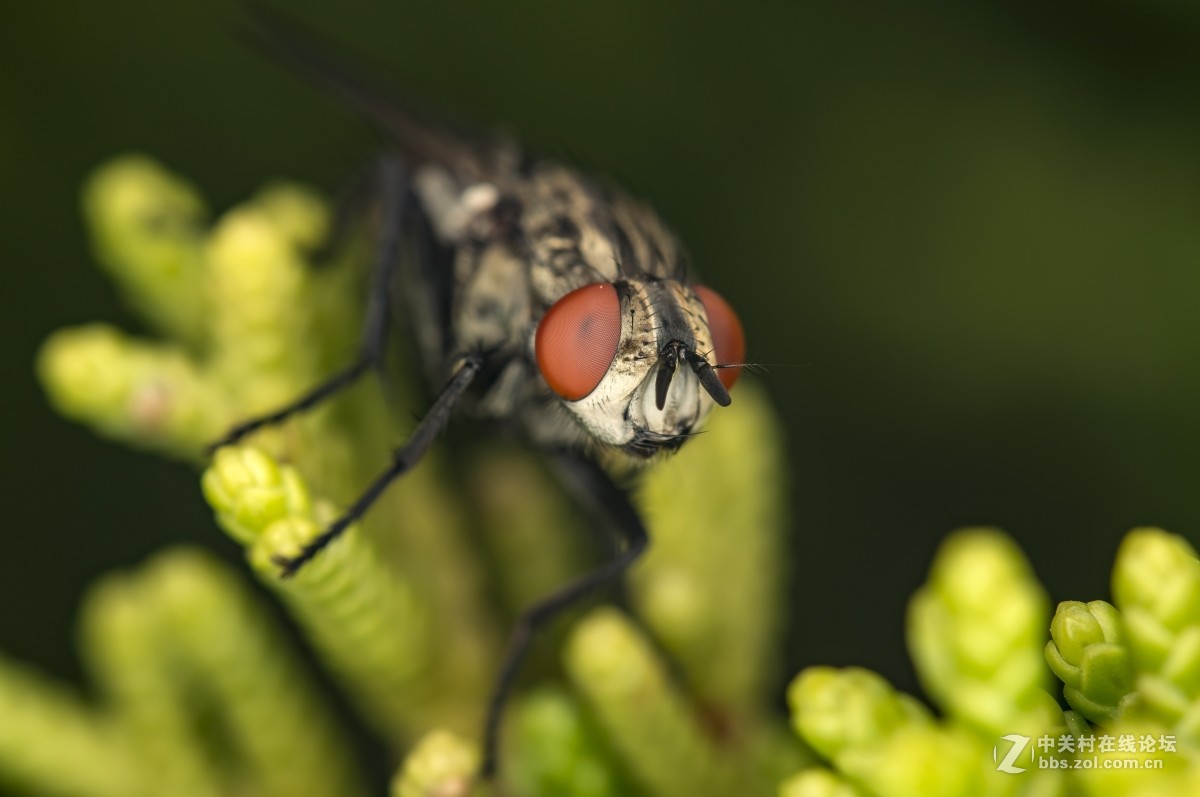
<point>976,632</point>
<point>1182,665</point>
<point>647,722</point>
<point>146,395</point>
<point>1156,583</point>
<point>840,711</point>
<point>1087,652</point>
<point>260,291</point>
<point>817,782</point>
<point>366,620</point>
<point>147,227</point>
<point>299,213</point>
<point>52,742</point>
<point>524,520</point>
<point>1173,692</point>
<point>285,741</point>
<point>441,765</point>
<point>1149,640</point>
<point>249,492</point>
<point>1075,724</point>
<point>883,741</point>
<point>1163,699</point>
<point>1159,572</point>
<point>198,676</point>
<point>921,761</point>
<point>556,751</point>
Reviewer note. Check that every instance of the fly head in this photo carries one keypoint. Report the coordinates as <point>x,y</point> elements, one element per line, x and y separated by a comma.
<point>640,363</point>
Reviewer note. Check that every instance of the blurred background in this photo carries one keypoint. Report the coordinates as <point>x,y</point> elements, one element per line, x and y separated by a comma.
<point>965,239</point>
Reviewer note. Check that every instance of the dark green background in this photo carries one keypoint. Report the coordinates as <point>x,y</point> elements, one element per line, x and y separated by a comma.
<point>966,237</point>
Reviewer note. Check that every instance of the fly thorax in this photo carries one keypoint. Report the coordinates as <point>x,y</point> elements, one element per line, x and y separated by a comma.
<point>492,309</point>
<point>452,207</point>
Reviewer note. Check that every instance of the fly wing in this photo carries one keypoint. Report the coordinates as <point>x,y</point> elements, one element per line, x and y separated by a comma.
<point>304,53</point>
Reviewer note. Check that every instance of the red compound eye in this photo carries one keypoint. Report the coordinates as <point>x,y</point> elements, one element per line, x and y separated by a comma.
<point>727,335</point>
<point>577,339</point>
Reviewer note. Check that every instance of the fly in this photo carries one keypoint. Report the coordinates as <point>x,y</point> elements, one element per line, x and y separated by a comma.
<point>543,300</point>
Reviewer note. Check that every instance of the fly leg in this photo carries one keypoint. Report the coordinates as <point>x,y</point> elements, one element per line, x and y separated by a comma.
<point>394,197</point>
<point>403,459</point>
<point>597,493</point>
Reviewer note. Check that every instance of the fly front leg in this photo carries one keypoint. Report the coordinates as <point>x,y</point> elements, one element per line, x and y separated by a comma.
<point>394,198</point>
<point>403,459</point>
<point>600,497</point>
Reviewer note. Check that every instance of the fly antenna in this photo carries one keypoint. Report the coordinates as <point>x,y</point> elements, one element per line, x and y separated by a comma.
<point>756,367</point>
<point>708,377</point>
<point>666,372</point>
